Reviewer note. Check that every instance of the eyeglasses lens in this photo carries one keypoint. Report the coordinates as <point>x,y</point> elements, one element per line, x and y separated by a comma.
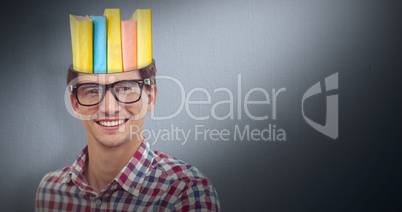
<point>127,91</point>
<point>89,94</point>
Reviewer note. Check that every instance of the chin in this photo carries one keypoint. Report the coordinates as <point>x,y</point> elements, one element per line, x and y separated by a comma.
<point>112,142</point>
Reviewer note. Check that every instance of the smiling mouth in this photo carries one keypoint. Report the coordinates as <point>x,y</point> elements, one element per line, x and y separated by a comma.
<point>113,123</point>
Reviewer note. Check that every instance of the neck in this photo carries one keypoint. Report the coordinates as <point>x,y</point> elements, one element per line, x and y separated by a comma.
<point>105,163</point>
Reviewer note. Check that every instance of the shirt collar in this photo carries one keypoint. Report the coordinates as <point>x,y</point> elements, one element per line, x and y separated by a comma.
<point>130,177</point>
<point>133,174</point>
<point>76,171</point>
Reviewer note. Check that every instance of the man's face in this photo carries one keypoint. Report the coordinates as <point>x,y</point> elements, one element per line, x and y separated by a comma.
<point>110,122</point>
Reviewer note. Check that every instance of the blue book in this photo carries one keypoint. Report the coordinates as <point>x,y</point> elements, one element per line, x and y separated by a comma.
<point>99,40</point>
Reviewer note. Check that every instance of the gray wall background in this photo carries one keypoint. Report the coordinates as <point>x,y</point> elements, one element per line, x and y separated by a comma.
<point>272,44</point>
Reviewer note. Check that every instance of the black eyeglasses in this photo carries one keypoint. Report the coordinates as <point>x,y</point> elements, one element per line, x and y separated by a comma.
<point>125,91</point>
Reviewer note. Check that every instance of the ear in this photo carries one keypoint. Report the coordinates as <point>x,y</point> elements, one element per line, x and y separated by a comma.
<point>152,97</point>
<point>74,104</point>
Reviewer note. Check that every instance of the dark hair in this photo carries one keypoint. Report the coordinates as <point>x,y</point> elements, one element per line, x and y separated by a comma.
<point>146,72</point>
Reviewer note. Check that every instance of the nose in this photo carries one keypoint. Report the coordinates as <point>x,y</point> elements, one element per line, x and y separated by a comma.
<point>109,106</point>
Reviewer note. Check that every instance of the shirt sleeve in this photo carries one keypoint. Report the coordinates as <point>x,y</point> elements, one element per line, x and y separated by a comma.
<point>200,196</point>
<point>39,198</point>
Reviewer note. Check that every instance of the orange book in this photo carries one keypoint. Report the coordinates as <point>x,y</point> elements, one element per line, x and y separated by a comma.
<point>129,44</point>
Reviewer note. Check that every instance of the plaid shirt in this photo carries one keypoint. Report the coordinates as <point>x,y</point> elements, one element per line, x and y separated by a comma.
<point>151,181</point>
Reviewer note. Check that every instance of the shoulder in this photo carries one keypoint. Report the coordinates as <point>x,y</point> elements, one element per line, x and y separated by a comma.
<point>53,182</point>
<point>58,176</point>
<point>191,187</point>
<point>176,169</point>
<point>67,173</point>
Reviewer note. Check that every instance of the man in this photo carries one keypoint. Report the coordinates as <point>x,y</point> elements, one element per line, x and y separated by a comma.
<point>117,170</point>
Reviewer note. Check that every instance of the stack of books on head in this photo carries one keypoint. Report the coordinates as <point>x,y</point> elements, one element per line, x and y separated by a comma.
<point>107,44</point>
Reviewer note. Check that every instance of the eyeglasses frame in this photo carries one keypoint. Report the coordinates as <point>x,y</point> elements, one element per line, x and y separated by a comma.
<point>110,87</point>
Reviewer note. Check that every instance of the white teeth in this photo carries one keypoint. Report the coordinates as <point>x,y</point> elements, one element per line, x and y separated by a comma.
<point>111,123</point>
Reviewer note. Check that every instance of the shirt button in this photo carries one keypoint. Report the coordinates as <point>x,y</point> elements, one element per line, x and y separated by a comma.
<point>98,202</point>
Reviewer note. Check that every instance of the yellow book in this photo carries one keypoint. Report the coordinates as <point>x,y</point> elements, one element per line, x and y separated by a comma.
<point>81,40</point>
<point>144,36</point>
<point>113,30</point>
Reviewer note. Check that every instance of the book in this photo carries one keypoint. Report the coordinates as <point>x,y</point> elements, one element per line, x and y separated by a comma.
<point>99,44</point>
<point>81,39</point>
<point>144,36</point>
<point>113,30</point>
<point>129,44</point>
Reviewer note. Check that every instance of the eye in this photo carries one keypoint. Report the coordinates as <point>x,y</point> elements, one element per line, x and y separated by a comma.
<point>90,90</point>
<point>126,87</point>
